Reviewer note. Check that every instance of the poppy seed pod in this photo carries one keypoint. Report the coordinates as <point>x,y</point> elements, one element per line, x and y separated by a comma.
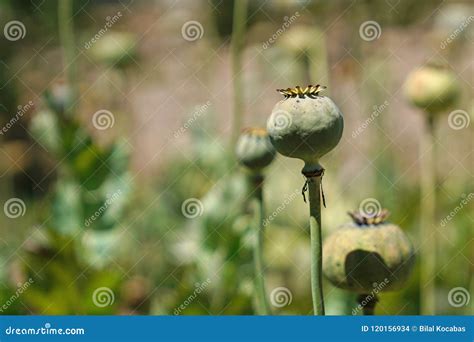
<point>254,149</point>
<point>368,253</point>
<point>432,88</point>
<point>305,126</point>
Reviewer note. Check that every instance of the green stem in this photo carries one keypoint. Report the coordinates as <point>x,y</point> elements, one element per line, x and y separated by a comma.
<point>428,230</point>
<point>66,36</point>
<point>313,175</point>
<point>238,37</point>
<point>263,307</point>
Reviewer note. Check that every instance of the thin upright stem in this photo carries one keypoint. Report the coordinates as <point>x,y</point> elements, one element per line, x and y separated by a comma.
<point>428,227</point>
<point>263,307</point>
<point>237,44</point>
<point>66,35</point>
<point>313,178</point>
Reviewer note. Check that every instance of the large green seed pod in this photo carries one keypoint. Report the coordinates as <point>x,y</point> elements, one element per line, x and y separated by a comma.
<point>367,254</point>
<point>305,127</point>
<point>254,149</point>
<point>432,88</point>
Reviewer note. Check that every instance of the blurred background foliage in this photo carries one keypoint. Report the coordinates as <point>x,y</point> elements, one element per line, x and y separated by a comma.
<point>163,150</point>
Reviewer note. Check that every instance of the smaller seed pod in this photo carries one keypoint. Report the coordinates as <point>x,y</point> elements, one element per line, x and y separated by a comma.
<point>368,254</point>
<point>114,48</point>
<point>59,97</point>
<point>432,88</point>
<point>254,149</point>
<point>305,125</point>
